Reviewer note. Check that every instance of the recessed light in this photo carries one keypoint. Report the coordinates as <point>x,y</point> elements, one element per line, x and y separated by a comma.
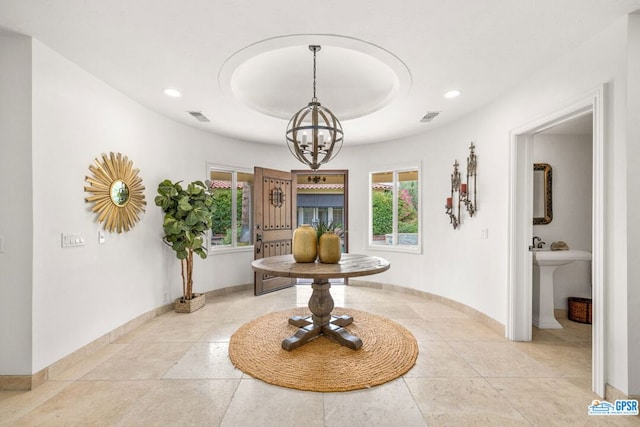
<point>452,94</point>
<point>172,92</point>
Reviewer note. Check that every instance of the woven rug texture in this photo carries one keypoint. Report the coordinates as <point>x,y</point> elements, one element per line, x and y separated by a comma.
<point>389,350</point>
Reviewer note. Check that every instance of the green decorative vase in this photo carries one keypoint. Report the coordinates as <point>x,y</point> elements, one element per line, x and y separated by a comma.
<point>329,251</point>
<point>305,244</point>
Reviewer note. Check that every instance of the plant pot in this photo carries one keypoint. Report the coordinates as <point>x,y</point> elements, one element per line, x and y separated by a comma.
<point>190,305</point>
<point>305,244</point>
<point>329,251</point>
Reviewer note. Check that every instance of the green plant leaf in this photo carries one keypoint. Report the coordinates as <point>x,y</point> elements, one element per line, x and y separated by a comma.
<point>201,252</point>
<point>184,204</point>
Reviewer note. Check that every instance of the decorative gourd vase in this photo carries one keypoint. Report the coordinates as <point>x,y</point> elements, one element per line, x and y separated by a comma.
<point>329,251</point>
<point>305,244</point>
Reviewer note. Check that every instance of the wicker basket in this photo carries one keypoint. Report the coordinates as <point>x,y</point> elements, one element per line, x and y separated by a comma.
<point>580,309</point>
<point>189,306</point>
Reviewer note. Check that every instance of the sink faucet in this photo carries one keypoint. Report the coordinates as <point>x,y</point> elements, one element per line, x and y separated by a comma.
<point>539,244</point>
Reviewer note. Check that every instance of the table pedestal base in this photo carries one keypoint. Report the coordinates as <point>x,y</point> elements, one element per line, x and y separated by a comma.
<point>321,322</point>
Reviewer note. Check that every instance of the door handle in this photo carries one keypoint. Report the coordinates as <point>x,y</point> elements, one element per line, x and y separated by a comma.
<point>258,243</point>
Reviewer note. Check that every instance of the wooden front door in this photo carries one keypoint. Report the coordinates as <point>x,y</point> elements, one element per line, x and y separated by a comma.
<point>274,202</point>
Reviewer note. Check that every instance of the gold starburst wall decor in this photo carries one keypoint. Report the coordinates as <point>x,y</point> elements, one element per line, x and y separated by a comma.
<point>117,192</point>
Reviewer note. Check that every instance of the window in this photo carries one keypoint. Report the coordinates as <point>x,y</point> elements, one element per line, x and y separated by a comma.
<point>395,209</point>
<point>233,198</point>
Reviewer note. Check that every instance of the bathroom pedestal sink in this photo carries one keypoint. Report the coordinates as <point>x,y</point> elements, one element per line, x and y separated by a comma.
<point>547,261</point>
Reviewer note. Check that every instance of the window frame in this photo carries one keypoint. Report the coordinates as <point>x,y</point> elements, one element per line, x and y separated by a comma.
<point>395,247</point>
<point>234,171</point>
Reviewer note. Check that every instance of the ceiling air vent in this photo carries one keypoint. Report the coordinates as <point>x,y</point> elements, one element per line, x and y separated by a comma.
<point>430,116</point>
<point>199,116</point>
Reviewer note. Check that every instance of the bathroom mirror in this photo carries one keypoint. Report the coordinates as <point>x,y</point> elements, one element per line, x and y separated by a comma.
<point>542,197</point>
<point>116,192</point>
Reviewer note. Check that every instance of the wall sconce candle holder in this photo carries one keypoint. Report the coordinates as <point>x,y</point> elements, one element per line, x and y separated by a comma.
<point>468,190</point>
<point>453,203</point>
<point>463,192</point>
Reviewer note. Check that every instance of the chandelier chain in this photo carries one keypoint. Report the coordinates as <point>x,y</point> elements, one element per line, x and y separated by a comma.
<point>315,99</point>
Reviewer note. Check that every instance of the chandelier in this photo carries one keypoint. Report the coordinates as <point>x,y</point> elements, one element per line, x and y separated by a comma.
<point>314,134</point>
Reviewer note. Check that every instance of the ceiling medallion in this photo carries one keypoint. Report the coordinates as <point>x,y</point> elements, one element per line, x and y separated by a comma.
<point>117,192</point>
<point>314,134</point>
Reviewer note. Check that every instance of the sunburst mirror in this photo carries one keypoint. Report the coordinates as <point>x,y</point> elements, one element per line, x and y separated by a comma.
<point>117,192</point>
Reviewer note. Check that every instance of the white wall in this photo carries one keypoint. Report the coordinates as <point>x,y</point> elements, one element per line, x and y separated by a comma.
<point>15,205</point>
<point>460,264</point>
<point>570,157</point>
<point>633,201</point>
<point>82,293</point>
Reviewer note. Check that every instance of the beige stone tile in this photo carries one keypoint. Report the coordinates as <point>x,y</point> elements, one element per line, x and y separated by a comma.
<point>15,405</point>
<point>140,330</point>
<point>462,402</point>
<point>256,403</point>
<point>185,328</point>
<point>88,403</point>
<point>431,310</point>
<point>501,359</point>
<point>182,403</point>
<point>420,329</point>
<point>221,331</point>
<point>570,360</point>
<point>554,402</point>
<point>83,367</point>
<point>8,394</point>
<point>390,310</point>
<point>464,329</point>
<point>389,404</point>
<point>140,361</point>
<point>205,360</point>
<point>439,360</point>
<point>243,311</point>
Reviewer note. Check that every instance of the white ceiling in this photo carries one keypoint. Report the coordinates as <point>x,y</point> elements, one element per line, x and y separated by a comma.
<point>246,64</point>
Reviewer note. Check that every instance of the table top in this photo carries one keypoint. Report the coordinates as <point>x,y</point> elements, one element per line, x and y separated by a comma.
<point>350,265</point>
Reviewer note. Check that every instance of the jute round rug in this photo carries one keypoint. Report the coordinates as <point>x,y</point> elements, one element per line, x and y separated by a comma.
<point>388,351</point>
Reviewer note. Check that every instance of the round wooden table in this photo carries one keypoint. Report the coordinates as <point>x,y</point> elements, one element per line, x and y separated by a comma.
<point>321,322</point>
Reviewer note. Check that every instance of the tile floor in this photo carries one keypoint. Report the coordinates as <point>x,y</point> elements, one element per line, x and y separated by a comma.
<point>174,370</point>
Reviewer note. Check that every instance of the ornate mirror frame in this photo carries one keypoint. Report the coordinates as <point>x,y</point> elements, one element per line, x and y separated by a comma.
<point>117,192</point>
<point>542,192</point>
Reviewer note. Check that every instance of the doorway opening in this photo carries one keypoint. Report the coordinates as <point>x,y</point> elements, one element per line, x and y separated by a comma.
<point>519,316</point>
<point>322,197</point>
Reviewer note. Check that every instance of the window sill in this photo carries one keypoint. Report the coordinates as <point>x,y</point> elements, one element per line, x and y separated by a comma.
<point>389,248</point>
<point>216,250</point>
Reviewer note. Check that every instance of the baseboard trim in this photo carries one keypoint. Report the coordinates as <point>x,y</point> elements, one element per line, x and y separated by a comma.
<point>30,382</point>
<point>611,394</point>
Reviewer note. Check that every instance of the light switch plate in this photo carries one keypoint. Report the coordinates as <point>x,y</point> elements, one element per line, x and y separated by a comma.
<point>70,240</point>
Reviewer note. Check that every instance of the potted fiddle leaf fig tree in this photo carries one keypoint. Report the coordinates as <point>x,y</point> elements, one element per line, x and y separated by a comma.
<point>188,215</point>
